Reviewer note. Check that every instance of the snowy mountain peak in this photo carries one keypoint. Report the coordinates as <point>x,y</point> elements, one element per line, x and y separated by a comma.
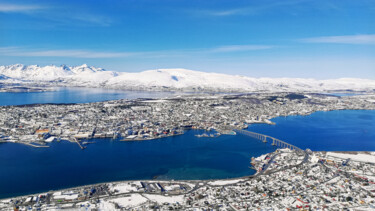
<point>86,69</point>
<point>16,66</point>
<point>171,79</point>
<point>65,67</point>
<point>49,72</point>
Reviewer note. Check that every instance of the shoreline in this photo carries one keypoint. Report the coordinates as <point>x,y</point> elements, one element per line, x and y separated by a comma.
<point>122,181</point>
<point>124,139</point>
<point>179,93</point>
<point>228,180</point>
<point>169,180</point>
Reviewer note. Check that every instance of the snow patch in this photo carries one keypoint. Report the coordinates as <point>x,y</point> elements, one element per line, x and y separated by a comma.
<point>361,157</point>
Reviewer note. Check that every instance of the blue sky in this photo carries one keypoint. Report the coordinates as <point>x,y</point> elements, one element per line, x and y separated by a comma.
<point>263,38</point>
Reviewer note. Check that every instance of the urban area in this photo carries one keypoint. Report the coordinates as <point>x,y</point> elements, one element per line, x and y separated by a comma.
<point>288,178</point>
<point>142,119</point>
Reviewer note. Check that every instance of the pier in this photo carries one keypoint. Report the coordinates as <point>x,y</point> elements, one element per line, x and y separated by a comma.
<point>33,145</point>
<point>79,144</point>
<point>265,138</point>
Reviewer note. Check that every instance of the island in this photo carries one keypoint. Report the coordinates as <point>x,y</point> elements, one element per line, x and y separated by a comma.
<point>144,119</point>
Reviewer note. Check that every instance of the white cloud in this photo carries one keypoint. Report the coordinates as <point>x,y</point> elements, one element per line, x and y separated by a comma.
<point>15,51</point>
<point>60,14</point>
<point>236,48</point>
<point>79,53</point>
<point>225,12</point>
<point>351,39</point>
<point>252,10</point>
<point>19,8</point>
<point>91,18</point>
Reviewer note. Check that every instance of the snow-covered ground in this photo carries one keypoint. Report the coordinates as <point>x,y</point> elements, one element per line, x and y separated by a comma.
<point>164,199</point>
<point>123,188</point>
<point>225,182</point>
<point>360,156</point>
<point>173,79</point>
<point>130,201</point>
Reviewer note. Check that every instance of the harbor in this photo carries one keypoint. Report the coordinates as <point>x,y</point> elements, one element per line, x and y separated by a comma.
<point>150,119</point>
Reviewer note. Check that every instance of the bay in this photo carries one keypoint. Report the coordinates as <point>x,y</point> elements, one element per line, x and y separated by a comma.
<point>341,130</point>
<point>76,95</point>
<point>25,169</point>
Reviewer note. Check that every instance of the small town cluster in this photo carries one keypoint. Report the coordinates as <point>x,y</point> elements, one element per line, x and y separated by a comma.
<point>142,119</point>
<point>285,179</point>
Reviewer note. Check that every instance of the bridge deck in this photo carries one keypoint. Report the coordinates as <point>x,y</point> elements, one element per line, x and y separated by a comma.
<point>264,138</point>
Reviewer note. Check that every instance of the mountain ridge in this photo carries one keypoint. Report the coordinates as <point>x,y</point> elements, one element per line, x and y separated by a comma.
<point>170,79</point>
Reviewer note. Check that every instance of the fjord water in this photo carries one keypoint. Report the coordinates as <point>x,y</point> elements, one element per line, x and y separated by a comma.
<point>25,170</point>
<point>341,130</point>
<point>28,170</point>
<point>75,95</point>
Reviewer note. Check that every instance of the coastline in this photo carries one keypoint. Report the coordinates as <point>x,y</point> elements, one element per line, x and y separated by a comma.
<point>303,164</point>
<point>242,178</point>
<point>138,139</point>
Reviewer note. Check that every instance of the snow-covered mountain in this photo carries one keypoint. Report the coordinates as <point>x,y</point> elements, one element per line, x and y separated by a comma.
<point>3,77</point>
<point>170,79</point>
<point>51,72</point>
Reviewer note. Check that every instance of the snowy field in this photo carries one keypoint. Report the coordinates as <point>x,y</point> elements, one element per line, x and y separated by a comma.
<point>358,156</point>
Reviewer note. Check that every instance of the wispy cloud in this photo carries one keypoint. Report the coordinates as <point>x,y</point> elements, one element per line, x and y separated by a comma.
<point>58,14</point>
<point>237,48</point>
<point>352,39</point>
<point>16,51</point>
<point>9,8</point>
<point>228,12</point>
<point>250,10</point>
<point>81,53</point>
<point>94,19</point>
<point>77,19</point>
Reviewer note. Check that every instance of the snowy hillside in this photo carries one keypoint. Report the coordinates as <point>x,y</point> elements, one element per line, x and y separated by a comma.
<point>171,79</point>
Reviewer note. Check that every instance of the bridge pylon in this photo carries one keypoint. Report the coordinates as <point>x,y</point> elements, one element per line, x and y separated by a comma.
<point>273,142</point>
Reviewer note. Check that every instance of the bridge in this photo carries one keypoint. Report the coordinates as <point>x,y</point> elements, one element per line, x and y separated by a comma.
<point>275,142</point>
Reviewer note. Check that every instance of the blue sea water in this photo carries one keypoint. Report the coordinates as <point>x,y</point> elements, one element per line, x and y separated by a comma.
<point>342,130</point>
<point>75,95</point>
<point>24,169</point>
<point>343,94</point>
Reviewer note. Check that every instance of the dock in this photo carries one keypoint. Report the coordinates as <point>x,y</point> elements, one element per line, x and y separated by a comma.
<point>33,145</point>
<point>79,144</point>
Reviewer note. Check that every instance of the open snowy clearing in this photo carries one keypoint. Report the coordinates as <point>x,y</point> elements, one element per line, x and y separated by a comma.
<point>360,156</point>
